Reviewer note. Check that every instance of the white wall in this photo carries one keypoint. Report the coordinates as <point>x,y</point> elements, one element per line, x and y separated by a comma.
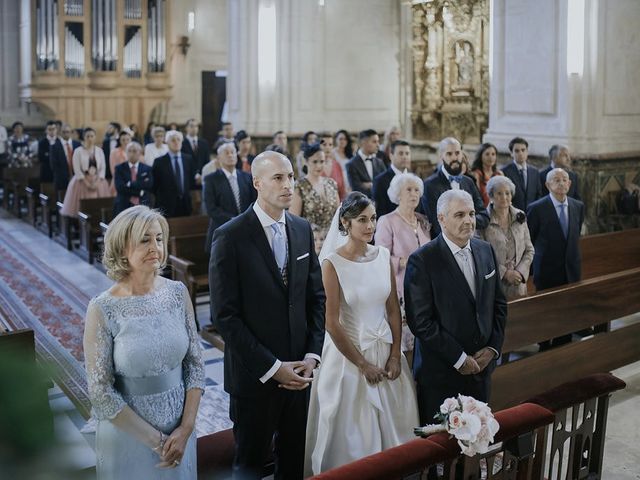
<point>208,52</point>
<point>337,66</point>
<point>531,93</point>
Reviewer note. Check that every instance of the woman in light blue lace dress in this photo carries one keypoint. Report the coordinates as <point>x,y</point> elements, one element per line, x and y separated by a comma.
<point>143,358</point>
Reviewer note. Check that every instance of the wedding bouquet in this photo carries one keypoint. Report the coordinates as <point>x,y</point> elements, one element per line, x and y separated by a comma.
<point>469,420</point>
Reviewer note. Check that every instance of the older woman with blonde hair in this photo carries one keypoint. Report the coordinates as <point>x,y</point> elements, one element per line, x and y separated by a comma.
<point>403,231</point>
<point>143,357</point>
<point>508,233</point>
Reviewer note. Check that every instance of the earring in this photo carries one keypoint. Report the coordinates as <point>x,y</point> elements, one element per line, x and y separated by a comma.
<point>125,260</point>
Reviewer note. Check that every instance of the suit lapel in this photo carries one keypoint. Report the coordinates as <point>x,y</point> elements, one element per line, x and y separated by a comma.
<point>262,244</point>
<point>573,220</point>
<point>293,237</point>
<point>453,268</point>
<point>476,254</point>
<point>363,168</point>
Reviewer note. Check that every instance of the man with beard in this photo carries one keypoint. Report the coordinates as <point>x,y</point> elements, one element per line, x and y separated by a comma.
<point>449,177</point>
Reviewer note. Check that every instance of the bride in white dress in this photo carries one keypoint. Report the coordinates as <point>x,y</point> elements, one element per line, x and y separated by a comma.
<point>363,396</point>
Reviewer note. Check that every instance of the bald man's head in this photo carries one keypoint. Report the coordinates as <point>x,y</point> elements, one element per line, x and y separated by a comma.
<point>273,179</point>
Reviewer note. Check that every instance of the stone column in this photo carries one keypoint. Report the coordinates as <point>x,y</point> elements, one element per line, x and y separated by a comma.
<point>541,90</point>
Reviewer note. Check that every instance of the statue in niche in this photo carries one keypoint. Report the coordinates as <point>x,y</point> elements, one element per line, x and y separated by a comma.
<point>464,63</point>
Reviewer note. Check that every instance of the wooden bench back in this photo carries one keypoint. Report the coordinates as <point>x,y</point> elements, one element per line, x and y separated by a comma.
<point>191,248</point>
<point>610,252</point>
<point>97,209</point>
<point>181,226</point>
<point>561,311</point>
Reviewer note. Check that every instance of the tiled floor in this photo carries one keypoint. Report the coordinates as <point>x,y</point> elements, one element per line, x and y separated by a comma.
<point>622,454</point>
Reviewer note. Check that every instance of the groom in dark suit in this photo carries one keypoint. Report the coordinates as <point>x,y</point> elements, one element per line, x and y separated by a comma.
<point>268,305</point>
<point>455,307</point>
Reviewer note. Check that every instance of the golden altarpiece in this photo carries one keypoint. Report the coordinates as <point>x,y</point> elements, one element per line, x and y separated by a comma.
<point>450,54</point>
<point>99,60</point>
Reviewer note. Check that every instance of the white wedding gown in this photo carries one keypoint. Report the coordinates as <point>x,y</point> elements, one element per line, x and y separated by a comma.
<point>348,418</point>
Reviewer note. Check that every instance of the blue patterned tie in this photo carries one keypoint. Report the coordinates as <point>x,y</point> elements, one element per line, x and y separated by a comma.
<point>279,245</point>
<point>456,178</point>
<point>564,223</point>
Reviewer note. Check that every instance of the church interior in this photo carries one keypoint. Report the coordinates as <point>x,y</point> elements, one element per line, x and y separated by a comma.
<point>561,74</point>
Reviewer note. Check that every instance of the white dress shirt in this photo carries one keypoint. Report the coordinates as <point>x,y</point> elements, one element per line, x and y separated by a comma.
<point>455,185</point>
<point>523,169</point>
<point>368,164</point>
<point>266,221</point>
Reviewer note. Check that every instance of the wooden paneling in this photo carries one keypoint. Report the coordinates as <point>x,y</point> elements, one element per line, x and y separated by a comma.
<point>610,252</point>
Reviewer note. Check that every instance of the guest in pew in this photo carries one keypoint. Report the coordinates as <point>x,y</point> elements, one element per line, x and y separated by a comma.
<point>110,142</point>
<point>363,397</point>
<point>508,234</point>
<point>88,180</point>
<point>227,192</point>
<point>244,147</point>
<point>315,197</point>
<point>402,232</point>
<point>365,164</point>
<point>62,158</point>
<point>450,176</point>
<point>332,168</point>
<point>174,176</point>
<point>268,305</point>
<point>455,308</point>
<point>559,157</point>
<point>555,222</point>
<point>484,168</point>
<point>195,146</point>
<point>118,155</point>
<point>157,148</point>
<point>45,146</point>
<point>343,152</point>
<point>525,177</point>
<point>400,157</point>
<point>148,133</point>
<point>143,357</point>
<point>133,180</point>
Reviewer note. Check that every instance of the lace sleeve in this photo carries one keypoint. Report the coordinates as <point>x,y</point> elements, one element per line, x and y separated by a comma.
<point>192,366</point>
<point>98,354</point>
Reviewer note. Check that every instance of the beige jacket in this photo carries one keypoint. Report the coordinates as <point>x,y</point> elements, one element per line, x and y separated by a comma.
<point>524,248</point>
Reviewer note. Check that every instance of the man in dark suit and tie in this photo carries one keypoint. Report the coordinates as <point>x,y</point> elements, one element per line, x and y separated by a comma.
<point>227,192</point>
<point>45,146</point>
<point>133,180</point>
<point>455,308</point>
<point>62,158</point>
<point>559,157</point>
<point>400,152</point>
<point>194,146</point>
<point>365,164</point>
<point>268,305</point>
<point>174,178</point>
<point>555,222</point>
<point>449,177</point>
<point>525,177</point>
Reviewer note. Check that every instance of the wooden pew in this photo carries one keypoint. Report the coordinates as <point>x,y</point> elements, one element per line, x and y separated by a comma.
<point>34,207</point>
<point>188,261</point>
<point>66,228</point>
<point>92,211</point>
<point>561,311</point>
<point>49,219</point>
<point>610,252</point>
<point>23,178</point>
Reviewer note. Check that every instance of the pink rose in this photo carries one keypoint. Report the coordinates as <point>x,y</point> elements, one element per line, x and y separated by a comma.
<point>455,421</point>
<point>449,405</point>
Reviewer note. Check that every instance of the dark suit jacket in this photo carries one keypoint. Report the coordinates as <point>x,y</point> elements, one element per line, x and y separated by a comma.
<point>436,185</point>
<point>573,189</point>
<point>59,165</point>
<point>357,173</point>
<point>380,186</point>
<point>523,196</point>
<point>556,260</point>
<point>44,157</point>
<point>165,187</point>
<point>202,156</point>
<point>261,319</point>
<point>106,148</point>
<point>220,202</point>
<point>445,317</point>
<point>126,189</point>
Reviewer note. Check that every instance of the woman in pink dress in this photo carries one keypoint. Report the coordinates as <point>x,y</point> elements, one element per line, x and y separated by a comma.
<point>88,180</point>
<point>332,168</point>
<point>402,232</point>
<point>484,168</point>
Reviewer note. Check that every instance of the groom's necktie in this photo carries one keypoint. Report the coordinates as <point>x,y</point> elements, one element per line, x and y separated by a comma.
<point>280,249</point>
<point>466,266</point>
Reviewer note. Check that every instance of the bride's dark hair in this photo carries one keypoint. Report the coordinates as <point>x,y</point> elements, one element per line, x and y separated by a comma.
<point>351,207</point>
